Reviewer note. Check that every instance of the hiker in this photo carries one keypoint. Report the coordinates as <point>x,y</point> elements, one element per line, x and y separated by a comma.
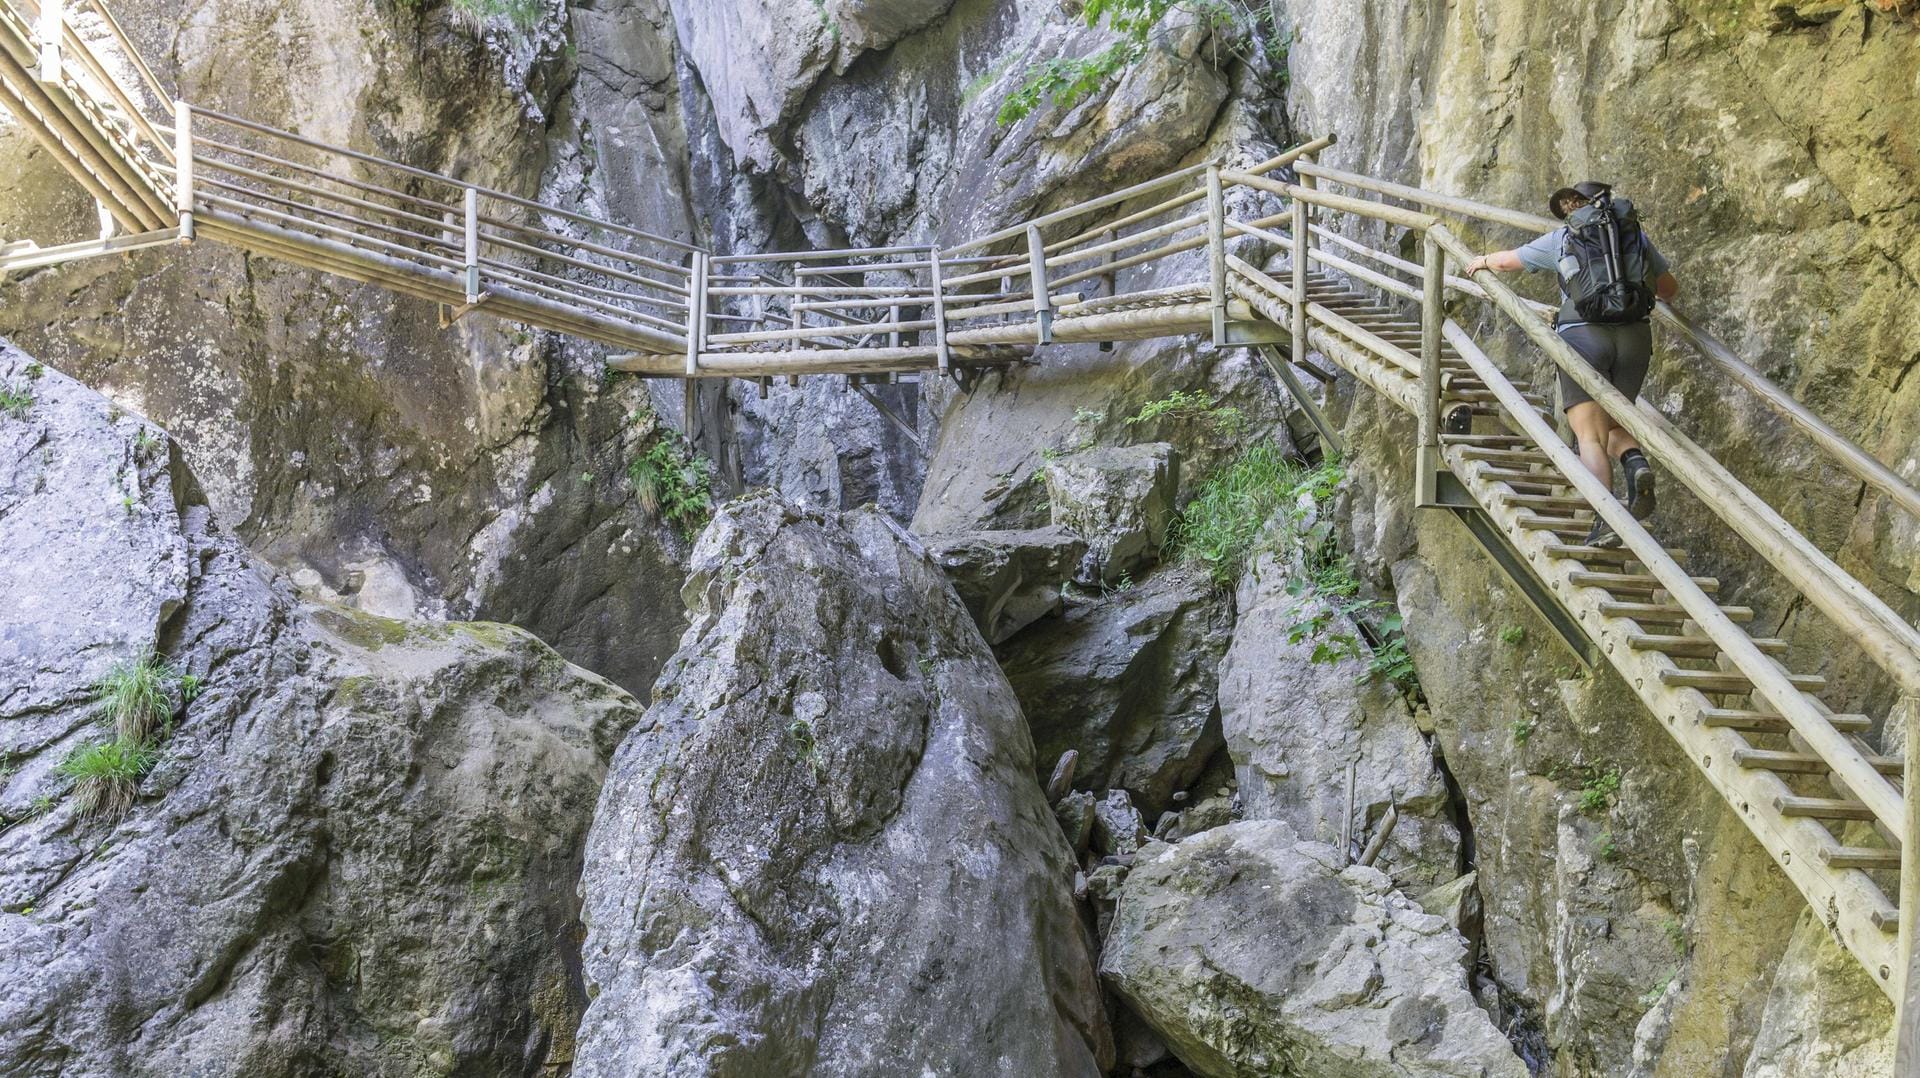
<point>1604,321</point>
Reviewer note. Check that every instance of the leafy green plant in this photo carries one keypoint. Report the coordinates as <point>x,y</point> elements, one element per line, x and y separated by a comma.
<point>35,371</point>
<point>106,775</point>
<point>15,402</point>
<point>1608,849</point>
<point>1239,30</point>
<point>133,696</point>
<point>801,731</point>
<point>144,443</point>
<point>1513,634</point>
<point>671,484</point>
<point>1522,729</point>
<point>1598,792</point>
<point>1220,526</point>
<point>1190,405</point>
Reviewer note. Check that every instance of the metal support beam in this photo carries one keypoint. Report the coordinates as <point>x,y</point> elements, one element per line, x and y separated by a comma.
<point>1514,566</point>
<point>1037,271</point>
<point>27,256</point>
<point>1217,254</point>
<point>897,419</point>
<point>1329,435</point>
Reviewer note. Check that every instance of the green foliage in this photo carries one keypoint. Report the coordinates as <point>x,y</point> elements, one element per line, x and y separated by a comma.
<point>1239,31</point>
<point>1608,849</point>
<point>1598,792</point>
<point>106,775</point>
<point>1185,405</point>
<point>15,402</point>
<point>133,696</point>
<point>672,484</point>
<point>144,443</point>
<point>1513,634</point>
<point>1522,729</point>
<point>1219,527</point>
<point>801,731</point>
<point>35,370</point>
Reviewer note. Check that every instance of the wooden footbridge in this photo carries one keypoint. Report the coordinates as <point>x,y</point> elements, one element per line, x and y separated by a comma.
<point>1822,799</point>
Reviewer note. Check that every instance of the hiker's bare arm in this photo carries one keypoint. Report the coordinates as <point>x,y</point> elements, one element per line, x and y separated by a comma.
<point>1498,261</point>
<point>1666,287</point>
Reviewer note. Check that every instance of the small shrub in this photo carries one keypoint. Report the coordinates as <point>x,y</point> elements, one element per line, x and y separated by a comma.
<point>133,696</point>
<point>1182,404</point>
<point>15,402</point>
<point>1513,634</point>
<point>671,485</point>
<point>1522,729</point>
<point>1220,526</point>
<point>1608,850</point>
<point>1598,793</point>
<point>106,775</point>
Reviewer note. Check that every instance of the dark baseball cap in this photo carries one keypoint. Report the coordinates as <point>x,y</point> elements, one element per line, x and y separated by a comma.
<point>1587,189</point>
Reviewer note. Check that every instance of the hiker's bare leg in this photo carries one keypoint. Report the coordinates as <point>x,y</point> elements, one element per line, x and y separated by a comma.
<point>1619,442</point>
<point>1594,427</point>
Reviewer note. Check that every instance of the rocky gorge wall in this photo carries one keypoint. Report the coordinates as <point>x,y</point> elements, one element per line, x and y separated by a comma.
<point>477,472</point>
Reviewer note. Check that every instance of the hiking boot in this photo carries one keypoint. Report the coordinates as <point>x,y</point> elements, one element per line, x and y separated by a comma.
<point>1458,421</point>
<point>1603,535</point>
<point>1639,487</point>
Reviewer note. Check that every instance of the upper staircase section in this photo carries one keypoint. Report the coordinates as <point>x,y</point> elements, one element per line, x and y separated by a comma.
<point>1285,251</point>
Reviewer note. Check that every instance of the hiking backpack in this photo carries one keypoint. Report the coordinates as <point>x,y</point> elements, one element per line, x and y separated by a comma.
<point>1603,263</point>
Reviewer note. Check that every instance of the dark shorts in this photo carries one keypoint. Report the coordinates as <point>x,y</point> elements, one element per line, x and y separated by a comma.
<point>1619,352</point>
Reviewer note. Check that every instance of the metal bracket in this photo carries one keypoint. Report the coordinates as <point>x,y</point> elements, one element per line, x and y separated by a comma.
<point>1322,426</point>
<point>1427,468</point>
<point>1453,495</point>
<point>449,314</point>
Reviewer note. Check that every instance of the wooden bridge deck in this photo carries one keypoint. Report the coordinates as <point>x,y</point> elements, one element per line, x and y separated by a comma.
<point>1833,813</point>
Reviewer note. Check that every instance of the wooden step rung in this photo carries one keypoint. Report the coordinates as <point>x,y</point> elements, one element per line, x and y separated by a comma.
<point>1511,456</point>
<point>1486,439</point>
<point>1514,475</point>
<point>1822,808</point>
<point>1667,613</point>
<point>1766,722</point>
<point>1562,526</point>
<point>1638,582</point>
<point>1545,501</point>
<point>1696,647</point>
<point>1729,681</point>
<point>1608,555</point>
<point>1804,762</point>
<point>1859,857</point>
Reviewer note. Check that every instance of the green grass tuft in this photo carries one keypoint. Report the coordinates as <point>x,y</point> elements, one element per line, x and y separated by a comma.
<point>15,402</point>
<point>671,484</point>
<point>1221,526</point>
<point>133,696</point>
<point>106,775</point>
<point>1513,634</point>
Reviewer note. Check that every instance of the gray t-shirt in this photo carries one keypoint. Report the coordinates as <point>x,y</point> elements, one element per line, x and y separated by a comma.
<point>1542,255</point>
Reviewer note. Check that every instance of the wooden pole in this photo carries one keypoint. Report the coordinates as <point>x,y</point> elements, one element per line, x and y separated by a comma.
<point>183,168</point>
<point>696,321</point>
<point>52,30</point>
<point>1217,254</point>
<point>473,246</point>
<point>1909,897</point>
<point>1037,272</point>
<point>1431,315</point>
<point>1298,330</point>
<point>945,356</point>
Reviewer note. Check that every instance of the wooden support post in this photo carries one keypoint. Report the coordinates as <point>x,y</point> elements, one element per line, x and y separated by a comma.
<point>941,351</point>
<point>1427,462</point>
<point>1908,977</point>
<point>690,408</point>
<point>1217,253</point>
<point>893,315</point>
<point>1037,271</point>
<point>52,30</point>
<point>696,317</point>
<point>1302,221</point>
<point>183,168</point>
<point>796,315</point>
<point>473,246</point>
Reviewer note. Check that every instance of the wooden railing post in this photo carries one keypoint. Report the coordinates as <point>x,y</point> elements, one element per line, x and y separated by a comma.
<point>183,168</point>
<point>1427,462</point>
<point>473,246</point>
<point>1302,221</point>
<point>940,351</point>
<point>1909,875</point>
<point>696,318</point>
<point>52,30</point>
<point>1037,271</point>
<point>1217,254</point>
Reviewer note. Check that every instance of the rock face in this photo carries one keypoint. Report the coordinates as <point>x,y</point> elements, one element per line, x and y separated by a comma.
<point>1295,727</point>
<point>1128,679</point>
<point>824,852</point>
<point>1008,579</point>
<point>355,852</point>
<point>1253,954</point>
<point>1120,500</point>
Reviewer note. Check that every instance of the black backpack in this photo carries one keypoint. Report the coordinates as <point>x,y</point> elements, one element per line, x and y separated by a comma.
<point>1603,263</point>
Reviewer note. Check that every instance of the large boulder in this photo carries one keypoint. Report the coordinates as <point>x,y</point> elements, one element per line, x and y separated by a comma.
<point>1297,728</point>
<point>1008,579</point>
<point>356,850</point>
<point>1254,953</point>
<point>825,851</point>
<point>1120,500</point>
<point>1127,679</point>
